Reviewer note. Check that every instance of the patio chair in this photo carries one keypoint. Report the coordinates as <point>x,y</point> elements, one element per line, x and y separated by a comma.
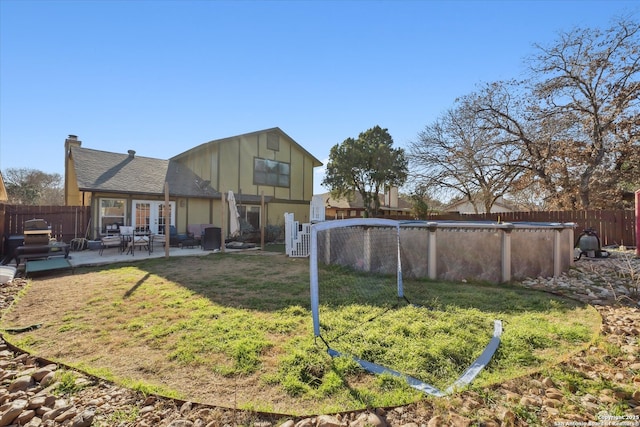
<point>110,242</point>
<point>159,238</point>
<point>194,233</point>
<point>175,238</point>
<point>140,240</point>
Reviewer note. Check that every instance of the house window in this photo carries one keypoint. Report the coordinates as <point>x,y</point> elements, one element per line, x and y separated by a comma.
<point>271,172</point>
<point>273,141</point>
<point>112,215</point>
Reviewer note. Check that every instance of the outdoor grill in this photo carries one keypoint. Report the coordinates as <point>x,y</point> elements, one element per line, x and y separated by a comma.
<point>36,232</point>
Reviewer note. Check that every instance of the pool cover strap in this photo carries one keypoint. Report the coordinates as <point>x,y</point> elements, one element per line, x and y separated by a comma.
<point>461,382</point>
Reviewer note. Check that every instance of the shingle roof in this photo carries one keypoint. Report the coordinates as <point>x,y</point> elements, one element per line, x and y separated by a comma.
<point>500,203</point>
<point>357,203</point>
<point>122,173</point>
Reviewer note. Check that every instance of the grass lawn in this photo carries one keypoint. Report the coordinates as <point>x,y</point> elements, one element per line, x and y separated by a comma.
<point>235,330</point>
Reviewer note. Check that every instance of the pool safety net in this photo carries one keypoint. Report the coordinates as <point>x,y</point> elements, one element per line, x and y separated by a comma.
<point>356,284</point>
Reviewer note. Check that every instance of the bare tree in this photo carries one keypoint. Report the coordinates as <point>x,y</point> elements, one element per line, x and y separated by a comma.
<point>33,187</point>
<point>461,158</point>
<point>591,76</point>
<point>544,142</point>
<point>576,118</point>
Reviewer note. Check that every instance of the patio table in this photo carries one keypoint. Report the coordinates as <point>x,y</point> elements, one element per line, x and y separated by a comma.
<point>141,240</point>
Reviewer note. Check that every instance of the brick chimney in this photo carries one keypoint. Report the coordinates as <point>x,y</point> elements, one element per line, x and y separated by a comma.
<point>72,140</point>
<point>391,197</point>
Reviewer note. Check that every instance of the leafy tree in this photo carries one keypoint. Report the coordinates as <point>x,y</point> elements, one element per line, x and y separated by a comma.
<point>422,203</point>
<point>365,165</point>
<point>33,187</point>
<point>459,157</point>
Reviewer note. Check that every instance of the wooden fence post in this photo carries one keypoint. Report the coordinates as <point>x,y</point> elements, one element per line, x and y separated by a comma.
<point>262,223</point>
<point>223,223</point>
<point>167,220</point>
<point>638,223</point>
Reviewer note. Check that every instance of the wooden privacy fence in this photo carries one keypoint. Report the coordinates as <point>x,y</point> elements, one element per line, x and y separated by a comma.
<point>66,222</point>
<point>614,227</point>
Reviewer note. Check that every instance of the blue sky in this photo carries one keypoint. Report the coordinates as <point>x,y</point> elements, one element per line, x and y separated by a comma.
<point>161,77</point>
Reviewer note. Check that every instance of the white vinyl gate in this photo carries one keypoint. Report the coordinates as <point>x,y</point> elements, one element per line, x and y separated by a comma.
<point>297,237</point>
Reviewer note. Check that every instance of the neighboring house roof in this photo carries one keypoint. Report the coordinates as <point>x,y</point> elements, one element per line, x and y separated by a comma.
<point>3,190</point>
<point>465,206</point>
<point>316,162</point>
<point>127,173</point>
<point>357,203</point>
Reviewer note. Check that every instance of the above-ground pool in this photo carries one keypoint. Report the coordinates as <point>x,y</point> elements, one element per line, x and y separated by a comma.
<point>447,250</point>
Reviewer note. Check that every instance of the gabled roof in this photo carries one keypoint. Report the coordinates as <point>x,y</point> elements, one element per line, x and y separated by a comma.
<point>316,162</point>
<point>357,203</point>
<point>500,203</point>
<point>128,173</point>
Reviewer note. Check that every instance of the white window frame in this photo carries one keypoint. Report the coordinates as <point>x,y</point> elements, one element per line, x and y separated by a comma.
<point>112,219</point>
<point>153,213</point>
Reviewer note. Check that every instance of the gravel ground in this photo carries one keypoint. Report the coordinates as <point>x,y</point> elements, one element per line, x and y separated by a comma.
<point>28,384</point>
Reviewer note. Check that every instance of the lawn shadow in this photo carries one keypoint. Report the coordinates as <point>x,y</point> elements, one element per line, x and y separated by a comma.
<point>137,285</point>
<point>274,282</point>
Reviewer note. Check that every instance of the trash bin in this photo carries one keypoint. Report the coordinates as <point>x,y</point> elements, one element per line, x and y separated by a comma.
<point>212,238</point>
<point>11,244</point>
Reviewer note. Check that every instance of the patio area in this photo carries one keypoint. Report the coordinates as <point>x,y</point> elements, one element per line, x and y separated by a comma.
<point>112,255</point>
<point>93,257</point>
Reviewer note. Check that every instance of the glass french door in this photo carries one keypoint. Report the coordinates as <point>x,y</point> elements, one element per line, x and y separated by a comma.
<point>149,215</point>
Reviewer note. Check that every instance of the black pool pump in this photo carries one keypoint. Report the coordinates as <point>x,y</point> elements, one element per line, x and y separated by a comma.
<point>589,244</point>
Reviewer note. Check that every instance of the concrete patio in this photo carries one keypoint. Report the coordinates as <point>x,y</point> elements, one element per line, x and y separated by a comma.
<point>113,255</point>
<point>89,257</point>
